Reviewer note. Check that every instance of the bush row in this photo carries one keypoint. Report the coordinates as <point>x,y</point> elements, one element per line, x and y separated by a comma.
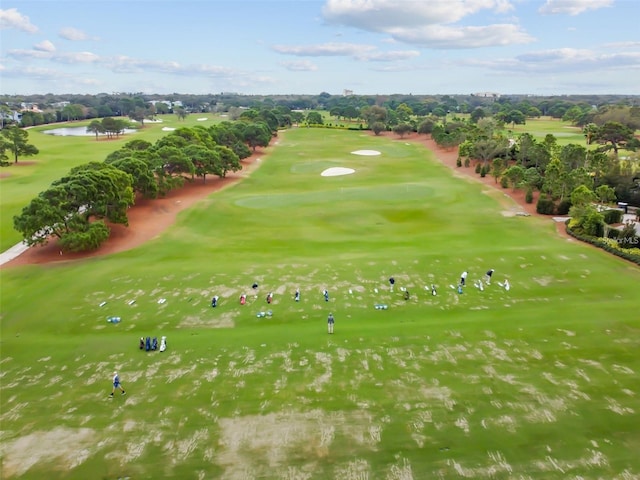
<point>609,246</point>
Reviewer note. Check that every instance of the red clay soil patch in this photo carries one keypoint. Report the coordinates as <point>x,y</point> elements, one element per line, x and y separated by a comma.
<point>147,219</point>
<point>4,175</point>
<point>23,163</point>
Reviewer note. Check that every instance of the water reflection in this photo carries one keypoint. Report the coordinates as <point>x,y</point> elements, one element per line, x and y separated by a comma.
<point>80,132</point>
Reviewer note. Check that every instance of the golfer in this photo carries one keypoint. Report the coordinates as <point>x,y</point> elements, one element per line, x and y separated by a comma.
<point>392,282</point>
<point>326,295</point>
<point>116,384</point>
<point>214,301</point>
<point>406,295</point>
<point>330,322</point>
<point>434,292</point>
<point>463,278</point>
<point>297,296</point>
<point>489,274</point>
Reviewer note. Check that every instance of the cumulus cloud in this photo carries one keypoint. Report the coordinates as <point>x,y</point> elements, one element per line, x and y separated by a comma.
<point>429,24</point>
<point>572,7</point>
<point>300,66</point>
<point>443,36</point>
<point>73,34</point>
<point>379,15</point>
<point>45,46</point>
<point>11,18</point>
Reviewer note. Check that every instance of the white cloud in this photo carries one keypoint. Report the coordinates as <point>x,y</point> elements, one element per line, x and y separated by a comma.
<point>427,23</point>
<point>392,56</point>
<point>563,60</point>
<point>77,57</point>
<point>73,34</point>
<point>379,15</point>
<point>325,50</point>
<point>19,54</point>
<point>353,50</point>
<point>45,46</point>
<point>300,66</point>
<point>443,36</point>
<point>573,7</point>
<point>629,44</point>
<point>11,18</point>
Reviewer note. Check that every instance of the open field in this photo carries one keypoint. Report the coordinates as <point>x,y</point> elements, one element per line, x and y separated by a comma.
<point>539,128</point>
<point>58,155</point>
<point>537,382</point>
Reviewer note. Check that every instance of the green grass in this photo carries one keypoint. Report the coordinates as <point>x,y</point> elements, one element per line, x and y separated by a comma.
<point>537,382</point>
<point>539,128</point>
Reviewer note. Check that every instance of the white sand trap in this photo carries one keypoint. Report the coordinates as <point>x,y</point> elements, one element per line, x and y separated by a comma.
<point>168,129</point>
<point>336,171</point>
<point>203,119</point>
<point>369,153</point>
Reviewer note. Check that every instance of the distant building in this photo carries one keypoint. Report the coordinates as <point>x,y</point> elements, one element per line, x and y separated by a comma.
<point>30,107</point>
<point>486,95</point>
<point>60,105</point>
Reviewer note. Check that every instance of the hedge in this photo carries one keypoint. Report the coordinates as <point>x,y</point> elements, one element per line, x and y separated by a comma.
<point>604,245</point>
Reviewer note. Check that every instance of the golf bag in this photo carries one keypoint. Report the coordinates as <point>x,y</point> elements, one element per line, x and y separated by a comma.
<point>163,344</point>
<point>147,344</point>
<point>154,343</point>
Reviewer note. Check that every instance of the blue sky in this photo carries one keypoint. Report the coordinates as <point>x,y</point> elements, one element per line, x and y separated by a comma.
<point>263,47</point>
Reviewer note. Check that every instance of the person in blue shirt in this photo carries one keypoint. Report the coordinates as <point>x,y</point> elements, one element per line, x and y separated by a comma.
<point>117,384</point>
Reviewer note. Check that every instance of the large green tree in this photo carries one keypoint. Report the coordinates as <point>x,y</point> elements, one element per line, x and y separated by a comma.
<point>258,134</point>
<point>17,142</point>
<point>74,208</point>
<point>614,135</point>
<point>205,160</point>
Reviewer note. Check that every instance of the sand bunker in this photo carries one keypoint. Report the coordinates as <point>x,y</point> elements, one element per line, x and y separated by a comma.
<point>168,129</point>
<point>336,171</point>
<point>369,153</point>
<point>202,119</point>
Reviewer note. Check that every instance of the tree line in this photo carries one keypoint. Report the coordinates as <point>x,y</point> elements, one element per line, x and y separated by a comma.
<point>77,208</point>
<point>138,106</point>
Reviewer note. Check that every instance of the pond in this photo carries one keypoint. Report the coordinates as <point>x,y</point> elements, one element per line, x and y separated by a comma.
<point>79,132</point>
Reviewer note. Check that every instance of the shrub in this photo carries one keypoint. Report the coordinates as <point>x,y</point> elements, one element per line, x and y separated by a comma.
<point>612,216</point>
<point>609,245</point>
<point>529,195</point>
<point>563,207</point>
<point>459,162</point>
<point>545,205</point>
<point>613,233</point>
<point>478,167</point>
<point>504,182</point>
<point>467,162</point>
<point>483,172</point>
